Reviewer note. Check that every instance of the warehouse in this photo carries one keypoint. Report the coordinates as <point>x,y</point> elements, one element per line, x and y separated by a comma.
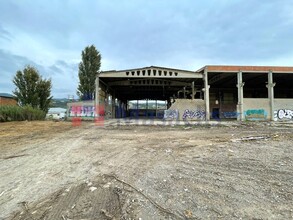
<point>7,99</point>
<point>210,93</point>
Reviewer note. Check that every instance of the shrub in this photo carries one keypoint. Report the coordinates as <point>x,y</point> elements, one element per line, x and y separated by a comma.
<point>17,113</point>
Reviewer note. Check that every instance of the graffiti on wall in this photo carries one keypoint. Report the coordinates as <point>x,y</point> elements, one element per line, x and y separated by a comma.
<point>193,114</point>
<point>255,114</point>
<point>283,114</point>
<point>171,114</point>
<point>230,114</point>
<point>85,111</point>
<point>81,111</point>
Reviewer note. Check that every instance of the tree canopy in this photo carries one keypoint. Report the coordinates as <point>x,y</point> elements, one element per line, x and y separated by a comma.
<point>31,89</point>
<point>88,69</point>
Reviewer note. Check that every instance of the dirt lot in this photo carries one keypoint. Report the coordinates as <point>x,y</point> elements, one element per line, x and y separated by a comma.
<point>51,170</point>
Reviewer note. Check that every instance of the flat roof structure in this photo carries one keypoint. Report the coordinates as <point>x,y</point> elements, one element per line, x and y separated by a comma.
<point>211,92</point>
<point>152,82</point>
<point>254,69</point>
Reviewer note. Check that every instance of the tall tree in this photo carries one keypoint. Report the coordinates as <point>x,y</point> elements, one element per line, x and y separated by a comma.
<point>88,69</point>
<point>44,92</point>
<point>31,89</point>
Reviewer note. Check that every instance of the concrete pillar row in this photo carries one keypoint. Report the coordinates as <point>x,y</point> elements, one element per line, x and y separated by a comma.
<point>240,85</point>
<point>270,87</point>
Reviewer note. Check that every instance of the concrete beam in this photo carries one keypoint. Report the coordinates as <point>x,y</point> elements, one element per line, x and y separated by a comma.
<point>240,85</point>
<point>154,72</point>
<point>97,96</point>
<point>206,94</point>
<point>193,93</point>
<point>147,82</point>
<point>270,87</point>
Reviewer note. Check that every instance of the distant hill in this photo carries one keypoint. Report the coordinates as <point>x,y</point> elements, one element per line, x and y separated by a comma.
<point>59,103</point>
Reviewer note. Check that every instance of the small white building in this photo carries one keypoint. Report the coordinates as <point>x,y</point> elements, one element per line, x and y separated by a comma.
<point>56,113</point>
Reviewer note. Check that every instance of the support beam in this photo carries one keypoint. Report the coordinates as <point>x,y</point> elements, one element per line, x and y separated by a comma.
<point>240,85</point>
<point>97,96</point>
<point>270,87</point>
<point>206,94</point>
<point>192,87</point>
<point>184,92</point>
<point>113,106</point>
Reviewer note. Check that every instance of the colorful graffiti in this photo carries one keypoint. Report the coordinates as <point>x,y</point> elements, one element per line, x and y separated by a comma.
<point>256,114</point>
<point>171,114</point>
<point>81,111</point>
<point>284,114</point>
<point>85,111</point>
<point>193,114</point>
<point>230,114</point>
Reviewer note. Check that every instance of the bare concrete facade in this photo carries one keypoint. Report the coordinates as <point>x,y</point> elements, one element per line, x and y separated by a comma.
<point>250,92</point>
<point>210,93</point>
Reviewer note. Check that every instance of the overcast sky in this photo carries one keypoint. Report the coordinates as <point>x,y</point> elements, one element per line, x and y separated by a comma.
<point>184,34</point>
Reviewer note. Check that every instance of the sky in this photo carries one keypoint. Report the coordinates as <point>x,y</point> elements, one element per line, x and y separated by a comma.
<point>183,34</point>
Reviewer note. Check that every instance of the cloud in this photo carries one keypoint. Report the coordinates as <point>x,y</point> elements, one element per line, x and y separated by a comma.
<point>63,74</point>
<point>5,34</point>
<point>135,33</point>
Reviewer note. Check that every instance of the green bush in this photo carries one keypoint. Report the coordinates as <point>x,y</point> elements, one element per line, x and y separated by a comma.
<point>17,113</point>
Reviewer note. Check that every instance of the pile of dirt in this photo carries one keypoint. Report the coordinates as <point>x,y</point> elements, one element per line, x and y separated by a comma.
<point>106,198</point>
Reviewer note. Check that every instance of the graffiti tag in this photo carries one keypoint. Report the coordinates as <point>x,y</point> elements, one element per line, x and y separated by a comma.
<point>256,114</point>
<point>81,111</point>
<point>285,114</point>
<point>85,111</point>
<point>193,114</point>
<point>230,114</point>
<point>171,114</point>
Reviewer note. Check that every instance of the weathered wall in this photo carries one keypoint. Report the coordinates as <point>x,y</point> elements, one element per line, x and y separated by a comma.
<point>256,108</point>
<point>7,101</point>
<point>187,109</point>
<point>85,109</point>
<point>283,110</point>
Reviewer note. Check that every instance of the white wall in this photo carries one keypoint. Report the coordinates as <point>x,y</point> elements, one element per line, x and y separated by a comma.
<point>189,109</point>
<point>283,109</point>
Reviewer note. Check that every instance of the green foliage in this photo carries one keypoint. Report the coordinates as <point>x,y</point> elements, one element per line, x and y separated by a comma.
<point>44,91</point>
<point>88,70</point>
<point>18,113</point>
<point>31,89</point>
<point>59,103</point>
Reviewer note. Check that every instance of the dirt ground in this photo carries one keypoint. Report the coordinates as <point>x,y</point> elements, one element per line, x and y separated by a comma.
<point>52,170</point>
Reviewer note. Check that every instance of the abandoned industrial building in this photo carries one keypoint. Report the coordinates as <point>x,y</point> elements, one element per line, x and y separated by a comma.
<point>210,93</point>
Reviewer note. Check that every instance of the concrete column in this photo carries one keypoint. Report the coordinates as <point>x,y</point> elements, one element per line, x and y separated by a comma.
<point>120,109</point>
<point>107,104</point>
<point>97,96</point>
<point>156,108</point>
<point>207,94</point>
<point>240,85</point>
<point>184,92</point>
<point>113,106</point>
<point>270,87</point>
<point>192,87</point>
